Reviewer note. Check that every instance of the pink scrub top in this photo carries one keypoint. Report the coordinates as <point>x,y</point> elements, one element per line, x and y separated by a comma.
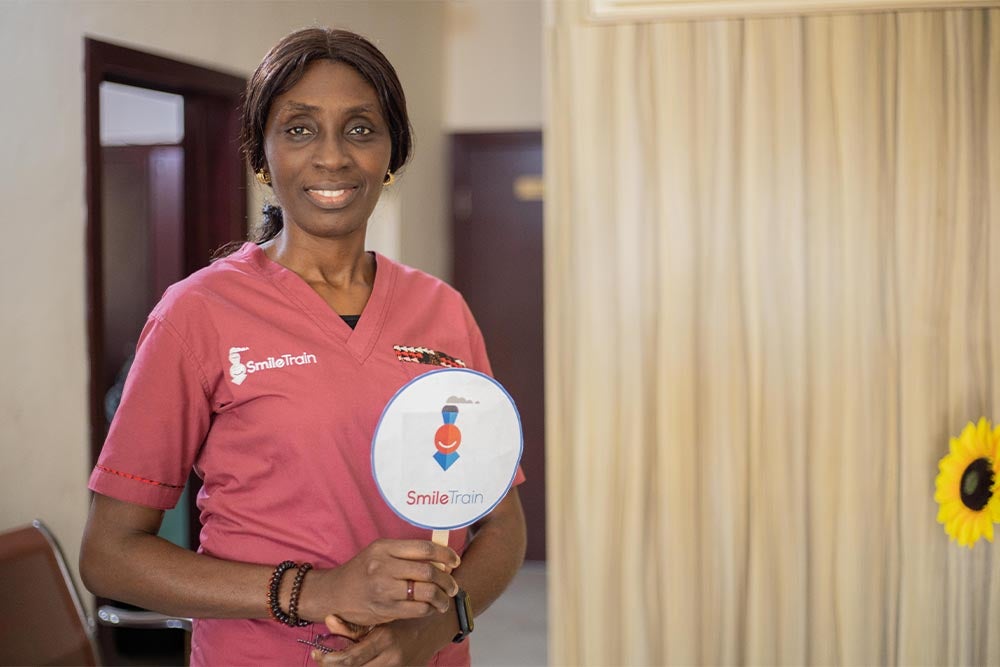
<point>246,375</point>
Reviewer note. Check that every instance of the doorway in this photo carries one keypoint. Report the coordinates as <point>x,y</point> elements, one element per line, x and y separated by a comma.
<point>165,188</point>
<point>497,251</point>
<point>142,226</point>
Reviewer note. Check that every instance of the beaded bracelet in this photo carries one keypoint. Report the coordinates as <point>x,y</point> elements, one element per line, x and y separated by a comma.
<point>293,603</point>
<point>273,597</point>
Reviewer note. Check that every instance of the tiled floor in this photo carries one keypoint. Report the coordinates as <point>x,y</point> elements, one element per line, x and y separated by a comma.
<point>514,630</point>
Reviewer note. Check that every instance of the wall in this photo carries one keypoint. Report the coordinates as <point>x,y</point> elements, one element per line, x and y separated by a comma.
<point>43,391</point>
<point>493,65</point>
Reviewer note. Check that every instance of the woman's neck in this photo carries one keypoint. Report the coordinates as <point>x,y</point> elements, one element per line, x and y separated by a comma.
<point>340,264</point>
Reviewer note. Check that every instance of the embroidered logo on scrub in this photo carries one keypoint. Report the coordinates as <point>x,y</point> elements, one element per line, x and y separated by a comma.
<point>425,355</point>
<point>239,369</point>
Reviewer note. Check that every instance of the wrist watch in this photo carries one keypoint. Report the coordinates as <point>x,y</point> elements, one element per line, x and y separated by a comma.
<point>463,606</point>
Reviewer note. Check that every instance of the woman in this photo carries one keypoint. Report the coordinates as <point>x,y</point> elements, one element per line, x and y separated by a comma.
<point>266,372</point>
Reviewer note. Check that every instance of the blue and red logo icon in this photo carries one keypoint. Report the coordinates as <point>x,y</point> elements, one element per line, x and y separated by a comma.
<point>447,438</point>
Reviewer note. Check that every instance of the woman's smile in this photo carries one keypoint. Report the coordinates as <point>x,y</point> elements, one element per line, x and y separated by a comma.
<point>332,197</point>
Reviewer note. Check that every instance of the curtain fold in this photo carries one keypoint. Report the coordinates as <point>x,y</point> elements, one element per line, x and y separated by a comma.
<point>770,300</point>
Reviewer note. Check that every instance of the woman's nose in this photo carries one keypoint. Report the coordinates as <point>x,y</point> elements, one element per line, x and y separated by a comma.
<point>332,152</point>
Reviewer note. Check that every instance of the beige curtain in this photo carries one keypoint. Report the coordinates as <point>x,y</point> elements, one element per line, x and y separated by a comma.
<point>771,298</point>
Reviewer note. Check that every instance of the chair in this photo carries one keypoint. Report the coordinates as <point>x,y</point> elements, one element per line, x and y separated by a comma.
<point>145,620</point>
<point>42,621</point>
<point>132,618</point>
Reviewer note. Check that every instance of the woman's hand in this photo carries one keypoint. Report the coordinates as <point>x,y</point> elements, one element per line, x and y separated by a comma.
<point>403,642</point>
<point>488,565</point>
<point>374,587</point>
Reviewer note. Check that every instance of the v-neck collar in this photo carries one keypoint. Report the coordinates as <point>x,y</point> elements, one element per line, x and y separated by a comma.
<point>360,340</point>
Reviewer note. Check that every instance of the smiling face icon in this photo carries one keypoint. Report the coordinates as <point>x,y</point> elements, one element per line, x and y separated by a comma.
<point>447,439</point>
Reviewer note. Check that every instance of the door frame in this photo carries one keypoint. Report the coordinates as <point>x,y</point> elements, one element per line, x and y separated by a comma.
<point>215,202</point>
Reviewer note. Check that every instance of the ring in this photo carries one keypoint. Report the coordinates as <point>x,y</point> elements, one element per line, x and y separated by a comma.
<point>409,590</point>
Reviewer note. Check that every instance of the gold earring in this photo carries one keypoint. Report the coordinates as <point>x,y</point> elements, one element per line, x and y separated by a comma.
<point>389,179</point>
<point>263,177</point>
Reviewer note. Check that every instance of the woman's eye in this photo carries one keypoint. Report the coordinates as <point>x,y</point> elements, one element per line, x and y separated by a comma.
<point>360,131</point>
<point>299,131</point>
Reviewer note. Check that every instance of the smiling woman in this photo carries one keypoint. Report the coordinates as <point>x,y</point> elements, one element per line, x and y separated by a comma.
<point>327,151</point>
<point>285,455</point>
<point>370,75</point>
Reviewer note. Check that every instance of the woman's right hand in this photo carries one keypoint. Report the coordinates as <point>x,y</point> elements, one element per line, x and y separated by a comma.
<point>371,588</point>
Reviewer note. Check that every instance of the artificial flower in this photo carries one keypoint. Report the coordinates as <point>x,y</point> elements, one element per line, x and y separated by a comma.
<point>966,484</point>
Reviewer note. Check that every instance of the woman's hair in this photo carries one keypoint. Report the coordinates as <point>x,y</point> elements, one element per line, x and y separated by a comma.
<point>282,68</point>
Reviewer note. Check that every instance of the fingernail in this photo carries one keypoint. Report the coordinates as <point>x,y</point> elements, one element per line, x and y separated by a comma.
<point>314,655</point>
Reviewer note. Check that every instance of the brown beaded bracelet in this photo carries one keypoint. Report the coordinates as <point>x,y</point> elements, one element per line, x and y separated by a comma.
<point>273,596</point>
<point>293,602</point>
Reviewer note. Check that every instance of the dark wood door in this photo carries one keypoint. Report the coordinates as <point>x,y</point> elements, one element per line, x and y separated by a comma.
<point>497,250</point>
<point>141,242</point>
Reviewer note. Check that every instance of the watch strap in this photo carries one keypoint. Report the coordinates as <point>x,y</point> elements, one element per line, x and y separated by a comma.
<point>463,608</point>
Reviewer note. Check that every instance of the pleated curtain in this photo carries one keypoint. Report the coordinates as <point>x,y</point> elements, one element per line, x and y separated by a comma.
<point>772,265</point>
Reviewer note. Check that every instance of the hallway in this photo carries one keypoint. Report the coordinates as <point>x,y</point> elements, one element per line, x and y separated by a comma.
<point>514,631</point>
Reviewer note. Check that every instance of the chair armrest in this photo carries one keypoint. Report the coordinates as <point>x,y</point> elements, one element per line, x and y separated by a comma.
<point>129,618</point>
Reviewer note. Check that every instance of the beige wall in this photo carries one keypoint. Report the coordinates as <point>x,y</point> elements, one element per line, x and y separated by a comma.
<point>43,390</point>
<point>493,65</point>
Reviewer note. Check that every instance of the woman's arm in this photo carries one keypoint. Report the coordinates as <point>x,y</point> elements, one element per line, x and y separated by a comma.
<point>493,557</point>
<point>122,558</point>
<point>495,554</point>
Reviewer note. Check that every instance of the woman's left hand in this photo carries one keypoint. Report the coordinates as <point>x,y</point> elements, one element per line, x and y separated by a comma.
<point>411,641</point>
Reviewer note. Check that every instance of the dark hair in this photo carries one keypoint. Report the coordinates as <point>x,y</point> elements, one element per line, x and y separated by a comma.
<point>282,68</point>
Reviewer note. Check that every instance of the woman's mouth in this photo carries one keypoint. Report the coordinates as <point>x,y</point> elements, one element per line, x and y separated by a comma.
<point>332,198</point>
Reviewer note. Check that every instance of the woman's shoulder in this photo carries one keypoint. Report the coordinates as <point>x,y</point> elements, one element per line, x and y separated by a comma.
<point>415,283</point>
<point>223,279</point>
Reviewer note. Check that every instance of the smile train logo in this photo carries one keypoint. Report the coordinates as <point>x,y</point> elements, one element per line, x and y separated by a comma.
<point>448,438</point>
<point>239,369</point>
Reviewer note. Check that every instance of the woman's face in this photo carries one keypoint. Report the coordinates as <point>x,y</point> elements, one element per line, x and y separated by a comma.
<point>327,148</point>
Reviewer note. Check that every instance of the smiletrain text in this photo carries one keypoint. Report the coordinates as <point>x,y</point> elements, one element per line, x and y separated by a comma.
<point>281,362</point>
<point>454,497</point>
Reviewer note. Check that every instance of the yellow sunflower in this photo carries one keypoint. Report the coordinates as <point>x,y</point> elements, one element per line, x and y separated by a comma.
<point>966,483</point>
